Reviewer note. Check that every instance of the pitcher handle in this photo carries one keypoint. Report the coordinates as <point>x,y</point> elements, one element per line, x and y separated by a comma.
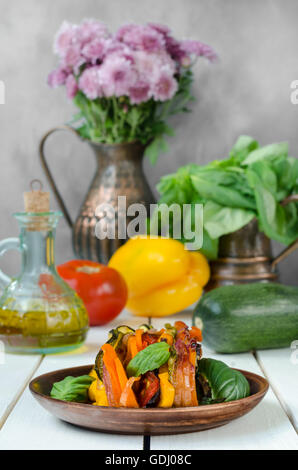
<point>293,246</point>
<point>48,172</point>
<point>5,245</point>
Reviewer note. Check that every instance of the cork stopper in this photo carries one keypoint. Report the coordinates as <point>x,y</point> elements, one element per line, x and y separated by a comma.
<point>36,201</point>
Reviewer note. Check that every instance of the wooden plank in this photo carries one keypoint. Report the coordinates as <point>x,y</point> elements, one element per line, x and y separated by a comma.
<point>281,368</point>
<point>15,372</point>
<point>29,426</point>
<point>265,427</point>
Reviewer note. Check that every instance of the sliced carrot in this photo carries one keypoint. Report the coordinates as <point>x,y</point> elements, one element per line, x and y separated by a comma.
<point>111,385</point>
<point>107,348</point>
<point>139,343</point>
<point>132,347</point>
<point>122,377</point>
<point>111,377</point>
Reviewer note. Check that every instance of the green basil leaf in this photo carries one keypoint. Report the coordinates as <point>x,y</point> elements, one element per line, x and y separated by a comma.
<point>279,223</point>
<point>220,220</point>
<point>210,246</point>
<point>223,195</point>
<point>72,388</point>
<point>158,145</point>
<point>225,383</point>
<point>269,151</point>
<point>243,146</point>
<point>150,358</point>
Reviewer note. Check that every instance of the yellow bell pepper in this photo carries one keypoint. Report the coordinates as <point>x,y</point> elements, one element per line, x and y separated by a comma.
<point>167,390</point>
<point>162,276</point>
<point>97,393</point>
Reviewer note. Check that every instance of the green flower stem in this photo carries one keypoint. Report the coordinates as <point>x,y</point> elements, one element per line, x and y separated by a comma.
<point>115,119</point>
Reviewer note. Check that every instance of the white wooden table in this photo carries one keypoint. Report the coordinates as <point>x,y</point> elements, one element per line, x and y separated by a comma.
<point>24,424</point>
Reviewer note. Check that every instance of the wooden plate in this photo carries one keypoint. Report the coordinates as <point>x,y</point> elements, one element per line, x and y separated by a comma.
<point>152,422</point>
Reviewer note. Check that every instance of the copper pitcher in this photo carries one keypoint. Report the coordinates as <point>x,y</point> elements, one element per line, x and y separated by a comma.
<point>119,172</point>
<point>245,256</point>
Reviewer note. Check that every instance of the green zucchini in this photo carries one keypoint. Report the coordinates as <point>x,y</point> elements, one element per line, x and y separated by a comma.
<point>245,317</point>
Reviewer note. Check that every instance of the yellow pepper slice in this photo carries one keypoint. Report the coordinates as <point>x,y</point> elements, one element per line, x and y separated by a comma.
<point>167,390</point>
<point>96,392</point>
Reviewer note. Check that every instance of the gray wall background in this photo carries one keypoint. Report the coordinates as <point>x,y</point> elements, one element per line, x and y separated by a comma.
<point>247,92</point>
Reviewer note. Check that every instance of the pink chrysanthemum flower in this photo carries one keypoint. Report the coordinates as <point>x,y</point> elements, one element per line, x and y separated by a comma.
<point>151,40</point>
<point>89,83</point>
<point>95,50</point>
<point>174,48</point>
<point>140,92</point>
<point>65,37</point>
<point>73,58</point>
<point>142,37</point>
<point>71,87</point>
<point>148,65</point>
<point>124,30</point>
<point>91,29</point>
<point>57,77</point>
<point>116,76</point>
<point>199,49</point>
<point>165,86</point>
<point>117,48</point>
<point>160,28</point>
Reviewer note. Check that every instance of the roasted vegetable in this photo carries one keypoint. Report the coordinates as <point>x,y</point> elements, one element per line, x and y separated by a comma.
<point>149,391</point>
<point>128,398</point>
<point>167,390</point>
<point>145,327</point>
<point>114,375</point>
<point>72,388</point>
<point>97,393</point>
<point>115,340</point>
<point>150,358</point>
<point>165,370</point>
<point>149,338</point>
<point>219,382</point>
<point>183,367</point>
<point>184,379</point>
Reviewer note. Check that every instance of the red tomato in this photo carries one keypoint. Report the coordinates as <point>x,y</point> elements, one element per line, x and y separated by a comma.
<point>102,289</point>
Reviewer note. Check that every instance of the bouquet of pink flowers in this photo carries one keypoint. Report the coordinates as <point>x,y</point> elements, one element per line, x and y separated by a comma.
<point>127,84</point>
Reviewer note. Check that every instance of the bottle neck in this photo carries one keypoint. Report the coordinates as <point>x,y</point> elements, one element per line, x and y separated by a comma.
<point>38,251</point>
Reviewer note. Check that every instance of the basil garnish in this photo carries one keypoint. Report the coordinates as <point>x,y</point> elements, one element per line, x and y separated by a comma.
<point>72,388</point>
<point>226,384</point>
<point>150,358</point>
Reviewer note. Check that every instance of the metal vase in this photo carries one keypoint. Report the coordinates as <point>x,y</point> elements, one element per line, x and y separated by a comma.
<point>245,256</point>
<point>119,172</point>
